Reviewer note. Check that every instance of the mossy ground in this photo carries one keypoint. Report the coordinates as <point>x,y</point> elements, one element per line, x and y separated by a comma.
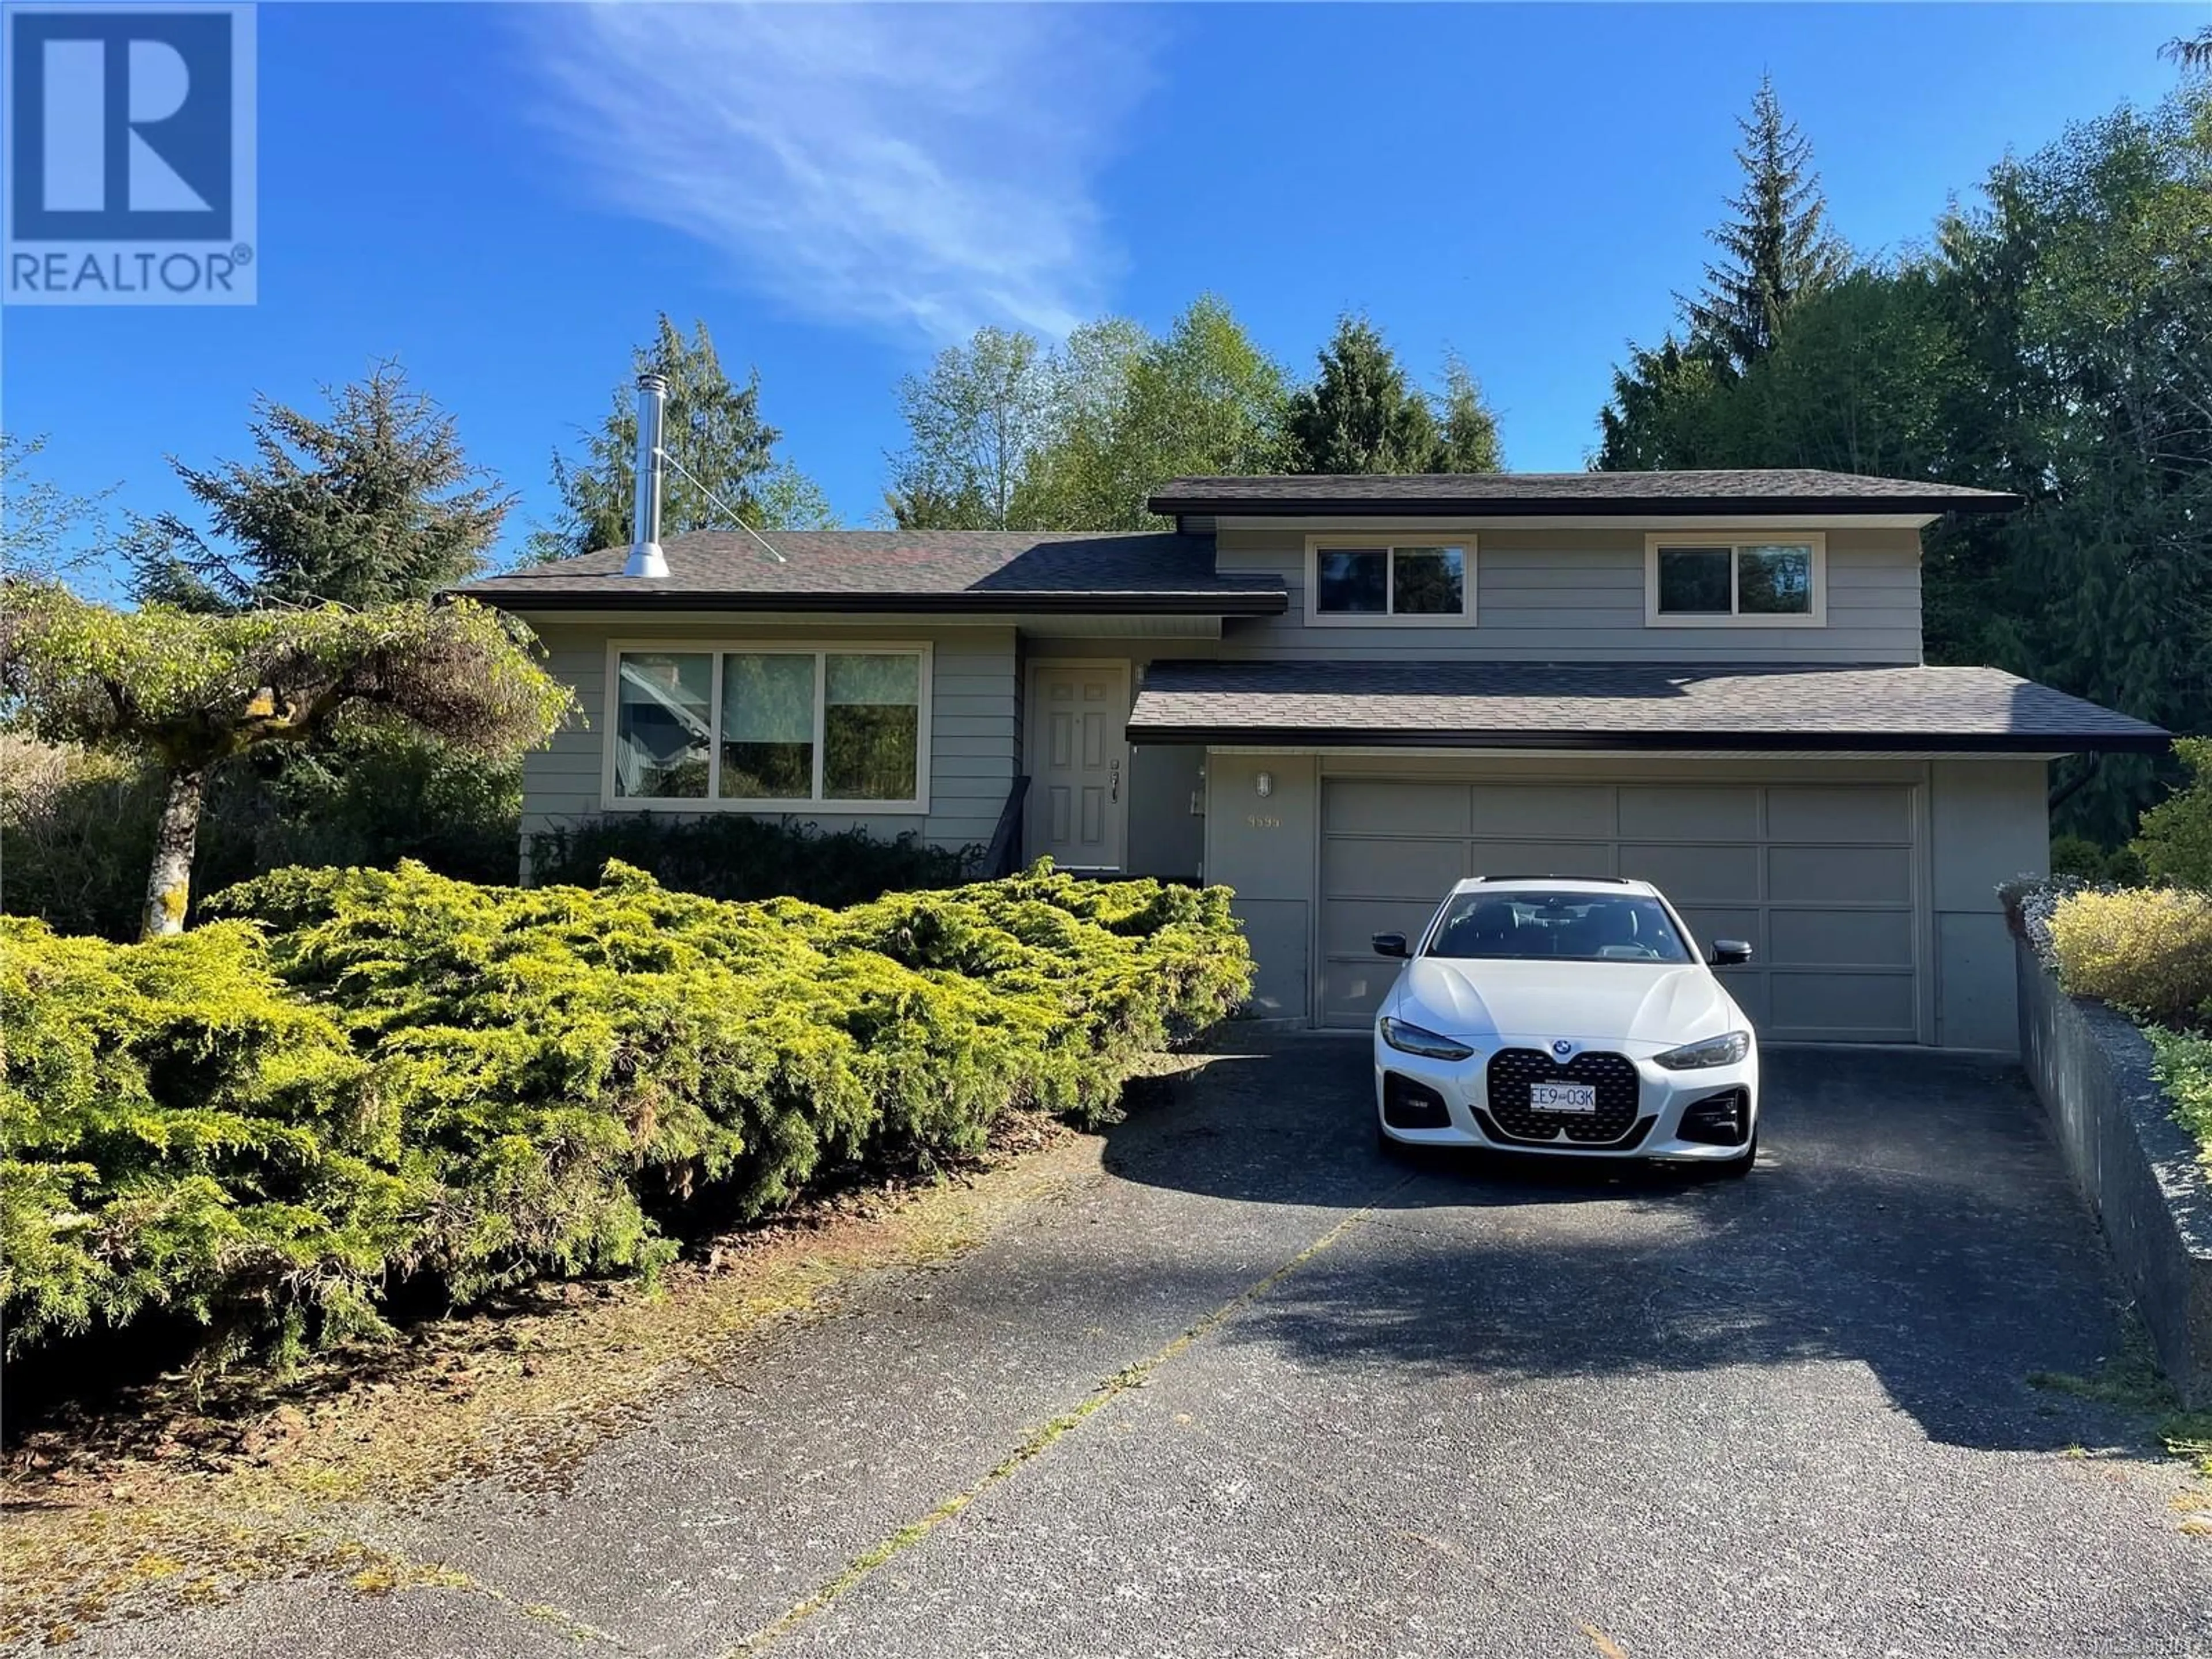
<point>2130,1379</point>
<point>175,1499</point>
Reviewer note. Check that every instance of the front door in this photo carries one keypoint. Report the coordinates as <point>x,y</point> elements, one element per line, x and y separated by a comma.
<point>1079,760</point>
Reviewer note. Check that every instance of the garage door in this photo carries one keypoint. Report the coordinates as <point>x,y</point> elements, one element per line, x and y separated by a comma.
<point>1819,877</point>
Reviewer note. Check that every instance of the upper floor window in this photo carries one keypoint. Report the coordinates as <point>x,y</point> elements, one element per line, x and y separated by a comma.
<point>1377,580</point>
<point>1718,582</point>
<point>768,728</point>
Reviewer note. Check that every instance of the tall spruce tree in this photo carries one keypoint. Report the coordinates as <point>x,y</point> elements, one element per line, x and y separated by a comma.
<point>1778,250</point>
<point>712,429</point>
<point>1361,414</point>
<point>2054,339</point>
<point>1466,426</point>
<point>373,504</point>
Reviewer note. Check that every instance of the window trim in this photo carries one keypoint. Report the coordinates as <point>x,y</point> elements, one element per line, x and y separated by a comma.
<point>821,651</point>
<point>1316,617</point>
<point>1735,541</point>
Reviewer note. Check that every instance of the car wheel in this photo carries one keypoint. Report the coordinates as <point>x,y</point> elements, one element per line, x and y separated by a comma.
<point>1737,1168</point>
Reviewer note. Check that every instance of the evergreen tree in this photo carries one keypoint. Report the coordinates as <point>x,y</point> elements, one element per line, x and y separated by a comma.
<point>1361,415</point>
<point>2052,343</point>
<point>1778,250</point>
<point>375,504</point>
<point>1467,427</point>
<point>712,429</point>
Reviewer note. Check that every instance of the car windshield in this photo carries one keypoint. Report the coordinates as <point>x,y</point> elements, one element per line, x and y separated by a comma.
<point>1530,924</point>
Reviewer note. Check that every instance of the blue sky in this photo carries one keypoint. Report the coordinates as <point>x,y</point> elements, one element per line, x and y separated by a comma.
<point>501,196</point>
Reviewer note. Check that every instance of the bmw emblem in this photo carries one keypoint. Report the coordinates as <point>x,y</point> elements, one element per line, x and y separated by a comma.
<point>1562,1047</point>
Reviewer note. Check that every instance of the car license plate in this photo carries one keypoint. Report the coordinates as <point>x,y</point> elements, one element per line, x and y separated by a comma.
<point>1563,1096</point>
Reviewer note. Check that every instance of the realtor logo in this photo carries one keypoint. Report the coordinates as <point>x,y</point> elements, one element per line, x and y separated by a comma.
<point>128,166</point>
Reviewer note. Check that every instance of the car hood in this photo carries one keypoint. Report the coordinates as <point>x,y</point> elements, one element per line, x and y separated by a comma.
<point>1663,1004</point>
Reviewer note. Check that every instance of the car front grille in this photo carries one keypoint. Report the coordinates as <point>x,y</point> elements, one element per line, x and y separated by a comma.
<point>1512,1070</point>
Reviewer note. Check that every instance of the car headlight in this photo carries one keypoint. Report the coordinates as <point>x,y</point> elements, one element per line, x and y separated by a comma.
<point>1414,1040</point>
<point>1712,1051</point>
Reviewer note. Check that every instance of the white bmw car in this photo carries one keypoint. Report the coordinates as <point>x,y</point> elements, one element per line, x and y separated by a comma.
<point>1574,1018</point>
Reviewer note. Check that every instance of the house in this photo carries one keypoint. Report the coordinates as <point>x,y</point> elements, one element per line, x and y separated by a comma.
<point>1340,695</point>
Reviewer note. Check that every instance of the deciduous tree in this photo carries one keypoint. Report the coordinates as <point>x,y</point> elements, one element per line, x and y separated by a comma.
<point>192,692</point>
<point>974,422</point>
<point>1133,411</point>
<point>1008,435</point>
<point>45,530</point>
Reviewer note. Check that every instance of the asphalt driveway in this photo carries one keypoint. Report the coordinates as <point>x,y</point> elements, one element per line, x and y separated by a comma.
<point>1436,1410</point>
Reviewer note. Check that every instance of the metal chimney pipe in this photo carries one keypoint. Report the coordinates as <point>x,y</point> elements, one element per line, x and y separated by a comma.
<point>645,555</point>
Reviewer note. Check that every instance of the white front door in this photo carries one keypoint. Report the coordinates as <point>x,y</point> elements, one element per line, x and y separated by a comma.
<point>1078,762</point>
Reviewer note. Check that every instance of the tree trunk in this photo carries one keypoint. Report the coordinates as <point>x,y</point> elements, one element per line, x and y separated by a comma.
<point>169,885</point>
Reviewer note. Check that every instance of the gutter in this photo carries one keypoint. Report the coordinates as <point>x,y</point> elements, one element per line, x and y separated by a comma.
<point>1541,507</point>
<point>2150,742</point>
<point>1262,602</point>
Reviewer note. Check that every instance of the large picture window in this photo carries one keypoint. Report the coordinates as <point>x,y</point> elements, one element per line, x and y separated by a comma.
<point>770,727</point>
<point>1377,580</point>
<point>1704,581</point>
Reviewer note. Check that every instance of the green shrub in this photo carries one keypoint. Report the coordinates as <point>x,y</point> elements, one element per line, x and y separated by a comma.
<point>2183,1063</point>
<point>728,856</point>
<point>2083,859</point>
<point>176,1132</point>
<point>2174,841</point>
<point>2148,951</point>
<point>375,796</point>
<point>397,1075</point>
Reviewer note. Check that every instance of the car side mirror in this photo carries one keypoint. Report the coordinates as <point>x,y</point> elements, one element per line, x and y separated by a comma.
<point>1390,945</point>
<point>1729,953</point>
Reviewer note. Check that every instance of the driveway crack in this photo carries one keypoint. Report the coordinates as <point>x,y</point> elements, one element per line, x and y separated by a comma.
<point>864,1565</point>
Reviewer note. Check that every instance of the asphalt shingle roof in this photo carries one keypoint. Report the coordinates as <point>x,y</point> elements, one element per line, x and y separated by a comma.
<point>936,570</point>
<point>1559,494</point>
<point>1534,705</point>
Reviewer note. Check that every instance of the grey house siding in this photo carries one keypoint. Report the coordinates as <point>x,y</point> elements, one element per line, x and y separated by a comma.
<point>1553,595</point>
<point>1990,821</point>
<point>975,743</point>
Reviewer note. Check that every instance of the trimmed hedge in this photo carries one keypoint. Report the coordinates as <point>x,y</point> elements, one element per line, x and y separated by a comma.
<point>728,856</point>
<point>369,1077</point>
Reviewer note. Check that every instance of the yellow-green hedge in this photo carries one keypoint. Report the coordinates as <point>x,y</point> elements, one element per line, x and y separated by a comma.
<point>367,1076</point>
<point>2146,950</point>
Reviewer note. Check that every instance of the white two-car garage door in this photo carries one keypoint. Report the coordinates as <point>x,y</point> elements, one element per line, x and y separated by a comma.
<point>1821,879</point>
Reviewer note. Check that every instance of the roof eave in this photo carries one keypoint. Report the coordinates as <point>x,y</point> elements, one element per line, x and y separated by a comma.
<point>2001,742</point>
<point>1264,603</point>
<point>1730,507</point>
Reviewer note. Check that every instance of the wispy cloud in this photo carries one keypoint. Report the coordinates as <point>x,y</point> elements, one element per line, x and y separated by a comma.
<point>916,167</point>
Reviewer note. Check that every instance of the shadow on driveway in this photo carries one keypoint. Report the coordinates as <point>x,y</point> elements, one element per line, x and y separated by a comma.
<point>1908,1214</point>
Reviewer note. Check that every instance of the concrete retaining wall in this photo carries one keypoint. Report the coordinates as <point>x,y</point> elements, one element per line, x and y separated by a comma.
<point>2138,1167</point>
